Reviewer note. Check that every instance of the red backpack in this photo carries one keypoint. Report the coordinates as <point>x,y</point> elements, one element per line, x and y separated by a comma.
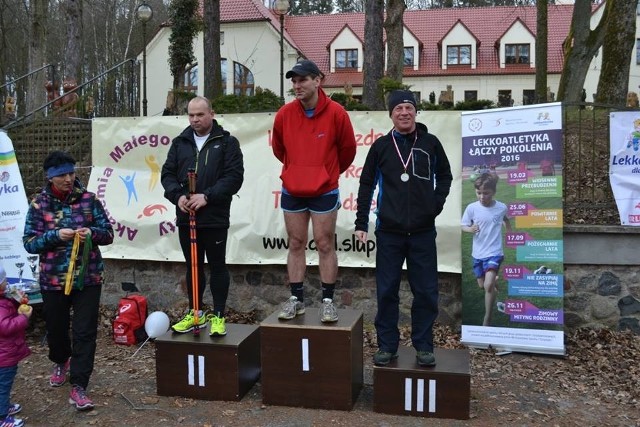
<point>128,326</point>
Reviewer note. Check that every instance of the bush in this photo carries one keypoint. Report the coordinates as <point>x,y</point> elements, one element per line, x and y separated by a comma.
<point>263,100</point>
<point>480,104</point>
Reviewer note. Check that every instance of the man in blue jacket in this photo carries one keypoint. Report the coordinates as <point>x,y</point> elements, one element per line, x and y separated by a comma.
<point>216,157</point>
<point>411,171</point>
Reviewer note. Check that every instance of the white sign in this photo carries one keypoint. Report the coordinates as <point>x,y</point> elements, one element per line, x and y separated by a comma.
<point>624,165</point>
<point>21,267</point>
<point>128,154</point>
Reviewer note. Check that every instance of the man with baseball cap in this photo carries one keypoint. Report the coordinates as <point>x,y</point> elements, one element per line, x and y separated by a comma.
<point>411,170</point>
<point>314,140</point>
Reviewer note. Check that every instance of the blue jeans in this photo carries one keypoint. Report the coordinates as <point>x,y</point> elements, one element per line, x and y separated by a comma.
<point>419,250</point>
<point>7,375</point>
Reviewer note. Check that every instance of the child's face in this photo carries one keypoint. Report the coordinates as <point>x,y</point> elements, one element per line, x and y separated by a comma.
<point>485,195</point>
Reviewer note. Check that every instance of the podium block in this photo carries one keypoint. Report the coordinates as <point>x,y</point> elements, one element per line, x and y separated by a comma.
<point>307,363</point>
<point>208,368</point>
<point>405,388</point>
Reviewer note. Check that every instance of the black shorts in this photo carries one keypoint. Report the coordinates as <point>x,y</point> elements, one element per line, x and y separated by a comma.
<point>324,203</point>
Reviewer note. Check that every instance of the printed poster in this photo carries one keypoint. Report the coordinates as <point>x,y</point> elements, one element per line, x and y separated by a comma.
<point>522,148</point>
<point>128,154</point>
<point>624,164</point>
<point>21,267</point>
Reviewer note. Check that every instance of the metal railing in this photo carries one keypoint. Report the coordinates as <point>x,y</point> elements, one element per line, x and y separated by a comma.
<point>129,94</point>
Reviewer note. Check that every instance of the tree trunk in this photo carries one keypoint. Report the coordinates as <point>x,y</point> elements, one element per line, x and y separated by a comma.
<point>541,51</point>
<point>73,47</point>
<point>580,47</point>
<point>211,70</point>
<point>394,27</point>
<point>37,49</point>
<point>617,50</point>
<point>373,63</point>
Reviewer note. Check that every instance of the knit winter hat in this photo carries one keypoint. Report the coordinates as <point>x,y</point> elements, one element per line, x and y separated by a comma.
<point>400,97</point>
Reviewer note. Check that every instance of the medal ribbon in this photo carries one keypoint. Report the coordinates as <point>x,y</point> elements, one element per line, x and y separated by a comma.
<point>72,263</point>
<point>405,164</point>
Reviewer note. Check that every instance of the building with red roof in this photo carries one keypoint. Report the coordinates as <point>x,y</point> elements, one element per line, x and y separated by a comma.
<point>458,53</point>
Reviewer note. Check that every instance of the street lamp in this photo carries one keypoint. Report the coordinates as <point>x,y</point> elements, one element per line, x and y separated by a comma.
<point>280,8</point>
<point>144,14</point>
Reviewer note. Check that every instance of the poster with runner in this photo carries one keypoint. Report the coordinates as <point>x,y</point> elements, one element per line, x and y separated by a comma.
<point>512,241</point>
<point>21,267</point>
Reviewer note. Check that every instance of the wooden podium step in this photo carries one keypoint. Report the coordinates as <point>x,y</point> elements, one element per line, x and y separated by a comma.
<point>311,364</point>
<point>208,368</point>
<point>442,391</point>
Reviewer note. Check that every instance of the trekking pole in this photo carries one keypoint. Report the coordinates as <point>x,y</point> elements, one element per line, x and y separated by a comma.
<point>194,254</point>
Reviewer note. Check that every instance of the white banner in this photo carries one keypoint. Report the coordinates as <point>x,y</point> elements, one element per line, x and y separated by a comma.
<point>128,154</point>
<point>624,164</point>
<point>522,146</point>
<point>21,267</point>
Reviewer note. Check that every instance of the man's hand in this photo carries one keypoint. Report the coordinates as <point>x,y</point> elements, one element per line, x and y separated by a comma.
<point>361,235</point>
<point>195,202</point>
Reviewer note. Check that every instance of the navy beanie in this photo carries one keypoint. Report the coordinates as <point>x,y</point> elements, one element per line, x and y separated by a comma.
<point>400,97</point>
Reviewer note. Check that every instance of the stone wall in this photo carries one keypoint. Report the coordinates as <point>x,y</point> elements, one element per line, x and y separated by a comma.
<point>602,284</point>
<point>263,288</point>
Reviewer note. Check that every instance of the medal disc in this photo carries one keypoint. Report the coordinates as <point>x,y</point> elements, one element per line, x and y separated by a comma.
<point>404,177</point>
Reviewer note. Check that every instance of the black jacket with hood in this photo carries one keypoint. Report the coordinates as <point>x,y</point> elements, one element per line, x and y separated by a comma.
<point>219,174</point>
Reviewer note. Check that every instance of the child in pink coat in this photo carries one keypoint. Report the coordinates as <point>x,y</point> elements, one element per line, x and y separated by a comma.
<point>14,319</point>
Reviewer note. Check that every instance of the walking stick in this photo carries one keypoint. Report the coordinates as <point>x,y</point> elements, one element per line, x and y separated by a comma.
<point>194,254</point>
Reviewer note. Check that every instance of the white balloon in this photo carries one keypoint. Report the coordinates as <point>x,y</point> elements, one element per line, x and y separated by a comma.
<point>157,323</point>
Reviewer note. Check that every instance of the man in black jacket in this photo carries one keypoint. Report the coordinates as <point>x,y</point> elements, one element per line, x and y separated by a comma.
<point>411,170</point>
<point>216,157</point>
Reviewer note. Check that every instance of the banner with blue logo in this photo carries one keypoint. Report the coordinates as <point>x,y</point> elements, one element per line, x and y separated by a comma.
<point>624,164</point>
<point>21,267</point>
<point>512,242</point>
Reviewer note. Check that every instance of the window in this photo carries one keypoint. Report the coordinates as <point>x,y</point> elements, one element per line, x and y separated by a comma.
<point>417,97</point>
<point>516,54</point>
<point>190,82</point>
<point>528,97</point>
<point>459,55</point>
<point>638,48</point>
<point>409,58</point>
<point>223,72</point>
<point>504,98</point>
<point>242,80</point>
<point>470,95</point>
<point>347,58</point>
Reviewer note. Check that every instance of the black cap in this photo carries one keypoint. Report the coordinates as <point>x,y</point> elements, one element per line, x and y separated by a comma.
<point>400,97</point>
<point>304,68</point>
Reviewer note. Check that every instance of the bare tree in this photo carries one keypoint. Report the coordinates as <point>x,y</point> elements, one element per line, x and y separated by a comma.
<point>37,50</point>
<point>580,47</point>
<point>542,32</point>
<point>73,47</point>
<point>212,57</point>
<point>394,27</point>
<point>373,64</point>
<point>617,48</point>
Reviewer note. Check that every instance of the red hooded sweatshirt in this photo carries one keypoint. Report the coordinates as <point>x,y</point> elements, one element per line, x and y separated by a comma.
<point>315,150</point>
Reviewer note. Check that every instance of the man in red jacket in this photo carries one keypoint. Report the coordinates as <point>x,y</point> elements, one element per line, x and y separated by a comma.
<point>314,140</point>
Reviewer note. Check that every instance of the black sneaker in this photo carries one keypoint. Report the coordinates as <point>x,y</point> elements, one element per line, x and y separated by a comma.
<point>425,358</point>
<point>383,358</point>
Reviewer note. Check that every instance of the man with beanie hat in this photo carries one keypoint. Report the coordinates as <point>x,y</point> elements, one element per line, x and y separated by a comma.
<point>314,140</point>
<point>411,170</point>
